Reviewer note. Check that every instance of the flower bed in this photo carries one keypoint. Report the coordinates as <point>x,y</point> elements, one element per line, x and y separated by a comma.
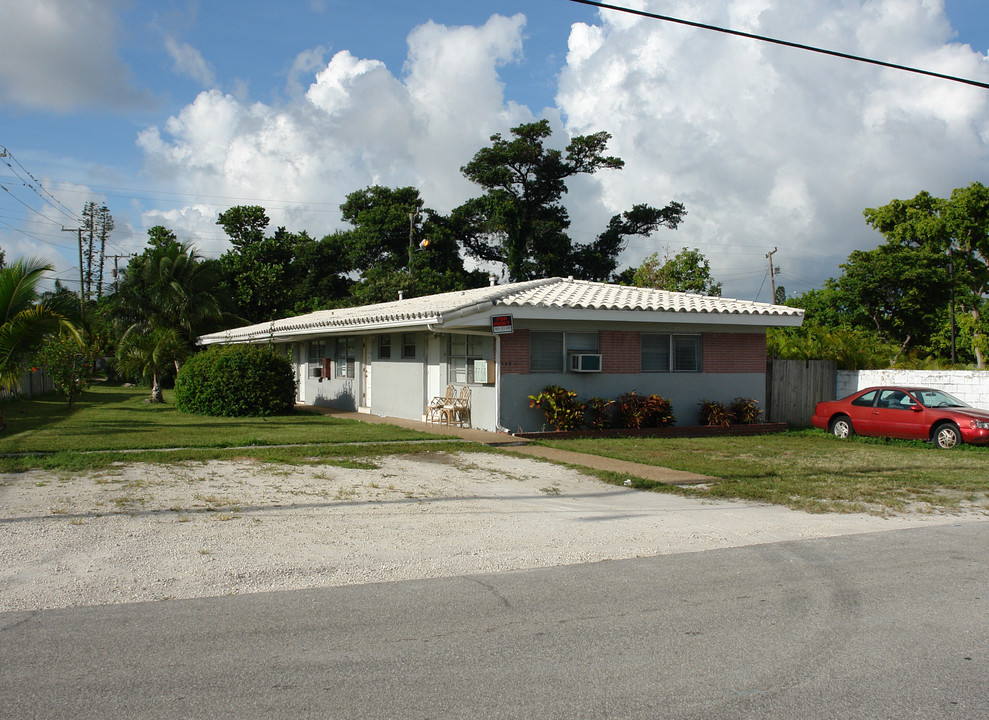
<point>670,432</point>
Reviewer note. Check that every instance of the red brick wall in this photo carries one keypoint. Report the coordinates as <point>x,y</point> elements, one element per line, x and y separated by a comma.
<point>621,352</point>
<point>734,352</point>
<point>515,353</point>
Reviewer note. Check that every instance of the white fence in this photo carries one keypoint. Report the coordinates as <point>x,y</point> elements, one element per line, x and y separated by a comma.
<point>972,386</point>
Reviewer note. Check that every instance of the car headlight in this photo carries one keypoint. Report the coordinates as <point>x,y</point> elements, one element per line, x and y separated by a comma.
<point>980,424</point>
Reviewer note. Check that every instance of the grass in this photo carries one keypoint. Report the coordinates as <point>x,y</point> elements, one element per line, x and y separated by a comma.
<point>810,470</point>
<point>118,418</point>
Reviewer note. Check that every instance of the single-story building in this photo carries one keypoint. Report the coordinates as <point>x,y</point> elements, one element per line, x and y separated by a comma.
<point>507,342</point>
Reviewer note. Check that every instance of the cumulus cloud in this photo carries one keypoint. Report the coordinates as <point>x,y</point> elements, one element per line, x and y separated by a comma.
<point>61,55</point>
<point>356,124</point>
<point>769,146</point>
<point>188,61</point>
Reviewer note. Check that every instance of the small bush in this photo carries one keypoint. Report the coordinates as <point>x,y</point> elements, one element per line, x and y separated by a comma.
<point>599,412</point>
<point>715,413</point>
<point>639,411</point>
<point>560,407</point>
<point>745,411</point>
<point>236,381</point>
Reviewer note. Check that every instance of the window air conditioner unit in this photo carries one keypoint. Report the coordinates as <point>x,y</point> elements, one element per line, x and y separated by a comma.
<point>585,362</point>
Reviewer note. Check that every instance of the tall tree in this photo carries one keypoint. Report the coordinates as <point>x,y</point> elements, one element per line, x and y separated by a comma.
<point>399,245</point>
<point>520,220</point>
<point>687,271</point>
<point>167,297</point>
<point>97,223</point>
<point>26,319</point>
<point>957,227</point>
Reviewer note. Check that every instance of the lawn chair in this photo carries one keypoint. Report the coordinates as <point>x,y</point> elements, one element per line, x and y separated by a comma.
<point>458,411</point>
<point>434,410</point>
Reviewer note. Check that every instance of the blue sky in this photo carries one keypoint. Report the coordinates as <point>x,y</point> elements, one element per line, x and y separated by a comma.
<point>172,111</point>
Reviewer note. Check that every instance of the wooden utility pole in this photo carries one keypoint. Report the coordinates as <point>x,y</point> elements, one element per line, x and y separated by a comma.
<point>772,275</point>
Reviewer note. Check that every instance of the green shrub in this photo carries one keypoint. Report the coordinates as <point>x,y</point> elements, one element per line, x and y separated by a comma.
<point>560,407</point>
<point>745,411</point>
<point>715,413</point>
<point>236,381</point>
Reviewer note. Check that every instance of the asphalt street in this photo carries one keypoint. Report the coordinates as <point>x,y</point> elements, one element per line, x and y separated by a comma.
<point>884,625</point>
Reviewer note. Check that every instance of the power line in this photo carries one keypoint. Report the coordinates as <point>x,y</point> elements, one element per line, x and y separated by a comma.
<point>35,185</point>
<point>785,43</point>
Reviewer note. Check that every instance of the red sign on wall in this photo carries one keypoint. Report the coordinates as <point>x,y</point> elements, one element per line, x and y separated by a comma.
<point>501,324</point>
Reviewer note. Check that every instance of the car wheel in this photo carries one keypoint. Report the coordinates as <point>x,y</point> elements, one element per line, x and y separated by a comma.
<point>947,436</point>
<point>841,427</point>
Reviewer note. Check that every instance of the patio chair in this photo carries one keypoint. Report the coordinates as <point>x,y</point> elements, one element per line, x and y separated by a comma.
<point>458,411</point>
<point>434,410</point>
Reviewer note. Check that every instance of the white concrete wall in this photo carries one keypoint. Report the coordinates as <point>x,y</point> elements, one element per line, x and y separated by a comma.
<point>972,386</point>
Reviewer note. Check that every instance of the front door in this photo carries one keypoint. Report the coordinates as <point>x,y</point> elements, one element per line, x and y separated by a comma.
<point>366,373</point>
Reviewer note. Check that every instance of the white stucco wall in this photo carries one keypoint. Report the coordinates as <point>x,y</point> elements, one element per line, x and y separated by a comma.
<point>972,386</point>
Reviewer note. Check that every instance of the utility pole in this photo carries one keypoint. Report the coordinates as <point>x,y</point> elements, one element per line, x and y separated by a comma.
<point>772,275</point>
<point>116,269</point>
<point>79,231</point>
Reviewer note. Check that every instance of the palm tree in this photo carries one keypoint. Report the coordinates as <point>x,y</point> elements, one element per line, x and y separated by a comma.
<point>147,354</point>
<point>25,319</point>
<point>167,297</point>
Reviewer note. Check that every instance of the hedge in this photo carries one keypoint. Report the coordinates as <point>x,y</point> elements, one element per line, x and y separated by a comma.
<point>236,381</point>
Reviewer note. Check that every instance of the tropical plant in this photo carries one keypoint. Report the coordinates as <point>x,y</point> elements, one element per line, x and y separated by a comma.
<point>745,411</point>
<point>167,297</point>
<point>715,413</point>
<point>146,355</point>
<point>599,413</point>
<point>25,319</point>
<point>560,407</point>
<point>644,411</point>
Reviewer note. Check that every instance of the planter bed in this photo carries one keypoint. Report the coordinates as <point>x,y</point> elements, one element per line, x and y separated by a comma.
<point>670,432</point>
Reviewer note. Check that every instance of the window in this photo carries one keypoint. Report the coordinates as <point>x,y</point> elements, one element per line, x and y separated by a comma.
<point>867,400</point>
<point>686,353</point>
<point>317,351</point>
<point>545,351</point>
<point>550,350</point>
<point>468,353</point>
<point>663,352</point>
<point>346,357</point>
<point>384,347</point>
<point>408,346</point>
<point>655,353</point>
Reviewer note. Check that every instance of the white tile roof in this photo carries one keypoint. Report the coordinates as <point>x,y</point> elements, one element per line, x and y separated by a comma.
<point>549,293</point>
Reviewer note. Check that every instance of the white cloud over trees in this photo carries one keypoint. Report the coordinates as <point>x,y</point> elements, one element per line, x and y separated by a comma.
<point>767,146</point>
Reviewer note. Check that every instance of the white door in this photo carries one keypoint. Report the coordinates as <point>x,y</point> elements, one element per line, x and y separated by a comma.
<point>366,373</point>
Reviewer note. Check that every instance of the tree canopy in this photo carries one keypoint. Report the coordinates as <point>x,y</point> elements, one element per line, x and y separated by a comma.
<point>687,271</point>
<point>520,220</point>
<point>957,227</point>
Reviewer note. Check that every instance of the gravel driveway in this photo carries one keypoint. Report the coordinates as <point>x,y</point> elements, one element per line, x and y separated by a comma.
<point>157,532</point>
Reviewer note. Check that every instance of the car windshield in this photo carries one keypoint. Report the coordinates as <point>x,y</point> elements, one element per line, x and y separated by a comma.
<point>936,398</point>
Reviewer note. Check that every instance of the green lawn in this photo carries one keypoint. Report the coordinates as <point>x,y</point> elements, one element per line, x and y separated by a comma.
<point>814,471</point>
<point>118,418</point>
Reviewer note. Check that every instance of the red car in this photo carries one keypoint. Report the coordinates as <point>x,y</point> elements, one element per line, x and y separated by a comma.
<point>913,413</point>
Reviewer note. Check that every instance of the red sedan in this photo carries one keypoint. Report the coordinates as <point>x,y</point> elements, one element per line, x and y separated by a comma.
<point>904,412</point>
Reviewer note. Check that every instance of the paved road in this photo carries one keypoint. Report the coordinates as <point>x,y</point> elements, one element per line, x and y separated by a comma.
<point>886,625</point>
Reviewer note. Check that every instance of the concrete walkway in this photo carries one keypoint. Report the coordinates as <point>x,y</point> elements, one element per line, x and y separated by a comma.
<point>527,447</point>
